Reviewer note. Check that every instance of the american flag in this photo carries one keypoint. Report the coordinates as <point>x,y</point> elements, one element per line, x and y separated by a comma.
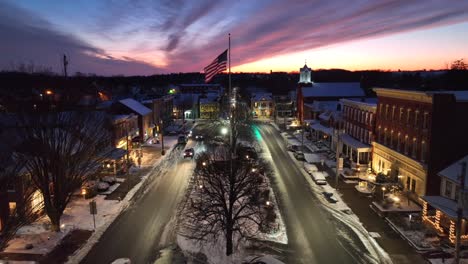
<point>218,65</point>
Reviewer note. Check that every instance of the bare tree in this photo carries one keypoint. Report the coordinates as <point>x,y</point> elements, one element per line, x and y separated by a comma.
<point>60,151</point>
<point>459,65</point>
<point>225,202</point>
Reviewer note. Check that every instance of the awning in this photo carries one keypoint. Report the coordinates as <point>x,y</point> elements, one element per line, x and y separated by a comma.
<point>355,144</point>
<point>320,127</point>
<point>445,205</point>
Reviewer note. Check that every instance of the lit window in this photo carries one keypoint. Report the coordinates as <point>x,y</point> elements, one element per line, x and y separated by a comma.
<point>393,112</point>
<point>408,113</point>
<point>406,145</point>
<point>391,139</point>
<point>401,114</point>
<point>415,147</point>
<point>423,151</point>
<point>416,114</point>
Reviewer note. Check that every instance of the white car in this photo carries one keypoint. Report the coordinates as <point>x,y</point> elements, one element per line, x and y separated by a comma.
<point>122,261</point>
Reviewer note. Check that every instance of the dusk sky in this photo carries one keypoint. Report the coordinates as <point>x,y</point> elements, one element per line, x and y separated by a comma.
<point>143,37</point>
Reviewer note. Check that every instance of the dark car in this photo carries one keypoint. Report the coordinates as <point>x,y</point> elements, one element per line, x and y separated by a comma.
<point>182,140</point>
<point>199,137</point>
<point>438,254</point>
<point>299,156</point>
<point>189,153</point>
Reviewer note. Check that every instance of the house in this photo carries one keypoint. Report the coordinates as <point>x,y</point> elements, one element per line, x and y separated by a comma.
<point>262,105</point>
<point>440,212</point>
<point>186,106</point>
<point>162,108</point>
<point>209,106</point>
<point>418,133</point>
<point>144,114</point>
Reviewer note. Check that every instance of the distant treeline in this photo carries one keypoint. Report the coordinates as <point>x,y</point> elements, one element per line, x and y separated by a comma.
<point>21,83</point>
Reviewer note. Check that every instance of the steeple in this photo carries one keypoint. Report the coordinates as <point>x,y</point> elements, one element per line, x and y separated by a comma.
<point>305,74</point>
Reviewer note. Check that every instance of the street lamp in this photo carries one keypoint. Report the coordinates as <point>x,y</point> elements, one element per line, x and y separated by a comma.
<point>224,131</point>
<point>383,193</point>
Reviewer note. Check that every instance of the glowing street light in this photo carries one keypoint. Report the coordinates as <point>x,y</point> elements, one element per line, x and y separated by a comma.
<point>204,163</point>
<point>383,193</point>
<point>224,130</point>
<point>267,203</point>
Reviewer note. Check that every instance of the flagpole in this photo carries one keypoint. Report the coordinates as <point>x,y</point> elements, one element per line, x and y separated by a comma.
<point>230,95</point>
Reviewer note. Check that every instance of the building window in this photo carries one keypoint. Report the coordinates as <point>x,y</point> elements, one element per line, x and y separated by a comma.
<point>398,142</point>
<point>408,114</point>
<point>385,137</point>
<point>406,145</point>
<point>369,138</point>
<point>416,114</point>
<point>371,115</point>
<point>256,104</point>
<point>393,112</point>
<point>415,147</point>
<point>425,120</point>
<point>448,189</point>
<point>391,139</point>
<point>413,185</point>
<point>423,151</point>
<point>380,110</point>
<point>408,182</point>
<point>379,131</point>
<point>386,112</point>
<point>401,114</point>
<point>367,118</point>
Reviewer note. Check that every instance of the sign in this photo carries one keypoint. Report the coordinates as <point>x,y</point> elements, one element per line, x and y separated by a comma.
<point>92,207</point>
<point>340,163</point>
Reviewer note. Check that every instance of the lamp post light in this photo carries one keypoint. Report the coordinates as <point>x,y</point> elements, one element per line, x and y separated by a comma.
<point>224,131</point>
<point>383,193</point>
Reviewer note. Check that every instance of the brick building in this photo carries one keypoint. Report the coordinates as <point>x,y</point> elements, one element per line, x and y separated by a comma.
<point>359,127</point>
<point>418,134</point>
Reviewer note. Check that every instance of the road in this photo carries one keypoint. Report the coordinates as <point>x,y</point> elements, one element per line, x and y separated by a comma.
<point>148,225</point>
<point>312,232</point>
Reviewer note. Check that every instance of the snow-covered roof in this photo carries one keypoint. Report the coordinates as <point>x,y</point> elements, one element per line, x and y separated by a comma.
<point>209,100</point>
<point>262,97</point>
<point>136,106</point>
<point>324,129</point>
<point>354,143</point>
<point>325,105</point>
<point>453,171</point>
<point>367,101</point>
<point>186,97</point>
<point>446,205</point>
<point>325,116</point>
<point>117,118</point>
<point>336,89</point>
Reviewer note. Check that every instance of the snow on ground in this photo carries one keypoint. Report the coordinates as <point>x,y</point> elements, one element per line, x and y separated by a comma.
<point>343,213</point>
<point>214,250</point>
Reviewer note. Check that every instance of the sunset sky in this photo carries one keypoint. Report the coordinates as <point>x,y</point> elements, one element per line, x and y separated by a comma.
<point>142,37</point>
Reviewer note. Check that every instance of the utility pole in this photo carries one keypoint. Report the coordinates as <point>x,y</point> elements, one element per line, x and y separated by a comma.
<point>163,152</point>
<point>338,156</point>
<point>461,197</point>
<point>65,65</point>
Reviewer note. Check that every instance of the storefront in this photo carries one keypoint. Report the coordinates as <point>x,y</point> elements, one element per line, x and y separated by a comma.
<point>322,133</point>
<point>357,152</point>
<point>440,213</point>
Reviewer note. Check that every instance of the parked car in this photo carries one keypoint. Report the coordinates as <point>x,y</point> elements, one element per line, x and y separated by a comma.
<point>103,186</point>
<point>299,155</point>
<point>437,254</point>
<point>189,153</point>
<point>294,148</point>
<point>182,140</point>
<point>329,197</point>
<point>122,261</point>
<point>199,137</point>
<point>109,179</point>
<point>267,259</point>
<point>319,177</point>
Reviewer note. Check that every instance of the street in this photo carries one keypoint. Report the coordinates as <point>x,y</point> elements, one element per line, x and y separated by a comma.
<point>312,232</point>
<point>148,225</point>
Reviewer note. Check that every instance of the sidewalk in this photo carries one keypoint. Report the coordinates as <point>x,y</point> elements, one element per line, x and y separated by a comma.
<point>77,223</point>
<point>360,204</point>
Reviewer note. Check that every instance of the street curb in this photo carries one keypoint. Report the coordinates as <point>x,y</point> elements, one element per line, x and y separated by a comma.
<point>83,251</point>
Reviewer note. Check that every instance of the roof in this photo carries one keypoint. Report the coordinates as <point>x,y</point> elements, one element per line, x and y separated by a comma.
<point>136,106</point>
<point>262,97</point>
<point>324,129</point>
<point>453,171</point>
<point>208,100</point>
<point>117,118</point>
<point>353,143</point>
<point>446,205</point>
<point>337,89</point>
